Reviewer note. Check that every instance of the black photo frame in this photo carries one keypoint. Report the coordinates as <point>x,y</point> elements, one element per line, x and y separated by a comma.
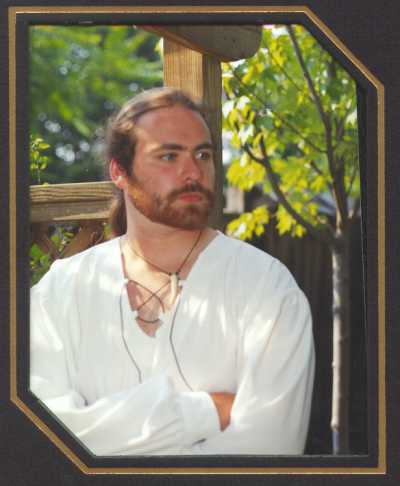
<point>33,437</point>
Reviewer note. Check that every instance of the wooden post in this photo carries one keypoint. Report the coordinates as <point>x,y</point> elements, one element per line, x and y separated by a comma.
<point>200,76</point>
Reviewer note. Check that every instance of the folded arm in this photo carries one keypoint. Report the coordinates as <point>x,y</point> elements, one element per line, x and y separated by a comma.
<point>270,413</point>
<point>150,418</point>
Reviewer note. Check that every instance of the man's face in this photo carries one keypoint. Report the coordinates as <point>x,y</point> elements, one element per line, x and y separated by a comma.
<point>173,174</point>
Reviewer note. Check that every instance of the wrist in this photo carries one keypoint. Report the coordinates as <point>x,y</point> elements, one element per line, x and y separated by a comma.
<point>200,416</point>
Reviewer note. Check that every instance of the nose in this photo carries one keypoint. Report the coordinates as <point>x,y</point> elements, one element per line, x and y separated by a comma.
<point>190,168</point>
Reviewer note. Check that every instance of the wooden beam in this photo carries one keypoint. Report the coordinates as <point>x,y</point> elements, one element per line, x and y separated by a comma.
<point>69,212</point>
<point>199,76</point>
<point>71,202</point>
<point>76,192</point>
<point>225,42</point>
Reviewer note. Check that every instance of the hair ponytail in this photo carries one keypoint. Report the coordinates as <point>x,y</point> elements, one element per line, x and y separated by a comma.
<point>117,215</point>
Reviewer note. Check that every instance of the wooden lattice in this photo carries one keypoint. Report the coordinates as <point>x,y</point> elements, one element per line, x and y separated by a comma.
<point>82,204</point>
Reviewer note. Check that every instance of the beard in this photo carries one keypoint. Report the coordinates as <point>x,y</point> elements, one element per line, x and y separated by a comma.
<point>163,210</point>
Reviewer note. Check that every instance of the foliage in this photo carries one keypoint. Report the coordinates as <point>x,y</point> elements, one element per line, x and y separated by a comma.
<point>80,75</point>
<point>250,223</point>
<point>291,111</point>
<point>40,261</point>
<point>37,160</point>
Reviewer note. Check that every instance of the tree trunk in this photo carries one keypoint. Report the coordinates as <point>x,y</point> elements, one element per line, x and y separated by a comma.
<point>341,344</point>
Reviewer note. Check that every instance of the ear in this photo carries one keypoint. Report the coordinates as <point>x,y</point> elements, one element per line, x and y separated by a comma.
<point>117,174</point>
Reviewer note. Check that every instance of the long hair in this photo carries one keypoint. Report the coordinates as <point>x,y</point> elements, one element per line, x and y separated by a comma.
<point>120,139</point>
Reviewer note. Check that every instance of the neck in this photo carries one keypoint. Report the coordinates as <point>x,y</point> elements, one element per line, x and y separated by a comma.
<point>164,245</point>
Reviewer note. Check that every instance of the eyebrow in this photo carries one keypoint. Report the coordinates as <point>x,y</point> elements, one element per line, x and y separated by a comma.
<point>176,146</point>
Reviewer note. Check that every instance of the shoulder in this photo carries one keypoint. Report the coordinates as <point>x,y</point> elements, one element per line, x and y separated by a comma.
<point>63,270</point>
<point>253,266</point>
<point>259,287</point>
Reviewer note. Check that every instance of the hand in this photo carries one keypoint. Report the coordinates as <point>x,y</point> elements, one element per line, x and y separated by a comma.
<point>223,402</point>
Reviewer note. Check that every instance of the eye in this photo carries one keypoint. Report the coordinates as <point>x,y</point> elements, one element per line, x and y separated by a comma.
<point>204,155</point>
<point>169,156</point>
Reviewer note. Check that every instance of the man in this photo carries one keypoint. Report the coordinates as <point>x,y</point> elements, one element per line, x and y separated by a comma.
<point>171,338</point>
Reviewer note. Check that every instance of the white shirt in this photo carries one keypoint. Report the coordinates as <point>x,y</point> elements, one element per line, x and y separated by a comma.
<point>241,325</point>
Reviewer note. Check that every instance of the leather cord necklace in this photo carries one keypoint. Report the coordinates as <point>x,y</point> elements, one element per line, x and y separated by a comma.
<point>172,327</point>
<point>174,279</point>
<point>132,357</point>
<point>153,294</point>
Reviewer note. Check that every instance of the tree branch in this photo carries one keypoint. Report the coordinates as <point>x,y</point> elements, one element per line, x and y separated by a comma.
<point>316,168</point>
<point>319,171</point>
<point>340,125</point>
<point>287,75</point>
<point>297,131</point>
<point>280,117</point>
<point>337,173</point>
<point>310,82</point>
<point>353,177</point>
<point>325,237</point>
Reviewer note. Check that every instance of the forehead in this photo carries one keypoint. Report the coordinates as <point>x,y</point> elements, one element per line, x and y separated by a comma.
<point>172,124</point>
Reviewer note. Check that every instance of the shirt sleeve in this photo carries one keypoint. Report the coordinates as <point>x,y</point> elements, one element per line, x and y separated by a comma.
<point>150,418</point>
<point>270,413</point>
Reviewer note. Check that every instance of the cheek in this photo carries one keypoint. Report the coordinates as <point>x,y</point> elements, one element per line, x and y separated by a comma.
<point>141,179</point>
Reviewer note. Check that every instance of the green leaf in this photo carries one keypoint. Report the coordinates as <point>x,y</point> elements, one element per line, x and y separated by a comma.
<point>245,173</point>
<point>270,102</point>
<point>249,224</point>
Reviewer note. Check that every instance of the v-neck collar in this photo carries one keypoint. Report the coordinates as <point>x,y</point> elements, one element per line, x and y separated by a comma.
<point>193,276</point>
<point>208,250</point>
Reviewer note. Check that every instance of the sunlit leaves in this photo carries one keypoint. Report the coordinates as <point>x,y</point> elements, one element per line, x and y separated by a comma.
<point>318,184</point>
<point>37,159</point>
<point>244,173</point>
<point>271,110</point>
<point>39,263</point>
<point>249,223</point>
<point>287,223</point>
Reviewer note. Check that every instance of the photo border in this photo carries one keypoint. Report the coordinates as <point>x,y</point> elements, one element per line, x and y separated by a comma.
<point>14,12</point>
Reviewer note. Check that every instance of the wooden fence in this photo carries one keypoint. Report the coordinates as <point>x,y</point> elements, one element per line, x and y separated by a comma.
<point>85,204</point>
<point>310,263</point>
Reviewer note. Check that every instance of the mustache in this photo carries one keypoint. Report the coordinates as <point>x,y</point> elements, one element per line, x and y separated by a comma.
<point>192,187</point>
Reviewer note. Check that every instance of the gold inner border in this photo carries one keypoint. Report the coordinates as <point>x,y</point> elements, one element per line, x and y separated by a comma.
<point>13,12</point>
